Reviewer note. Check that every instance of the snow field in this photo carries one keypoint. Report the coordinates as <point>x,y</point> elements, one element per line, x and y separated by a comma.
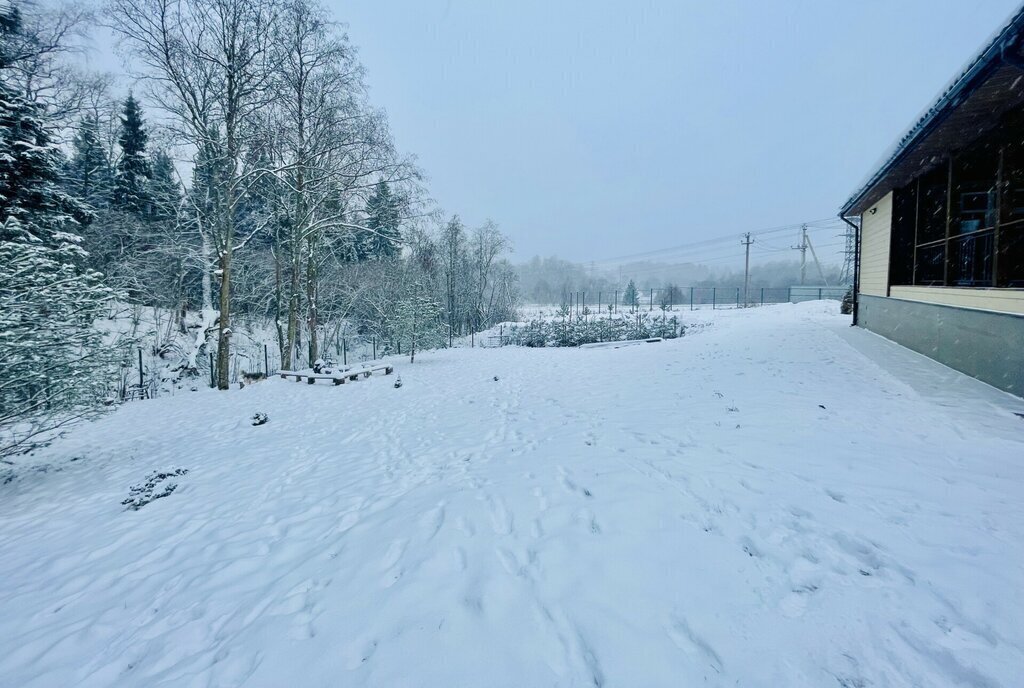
<point>776,500</point>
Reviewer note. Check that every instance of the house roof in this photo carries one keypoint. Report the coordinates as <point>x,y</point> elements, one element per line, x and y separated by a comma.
<point>989,85</point>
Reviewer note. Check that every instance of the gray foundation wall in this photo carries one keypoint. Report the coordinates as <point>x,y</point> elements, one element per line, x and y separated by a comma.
<point>986,345</point>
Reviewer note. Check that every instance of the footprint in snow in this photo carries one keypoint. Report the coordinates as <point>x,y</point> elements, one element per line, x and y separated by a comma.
<point>536,529</point>
<point>749,547</point>
<point>501,518</point>
<point>389,563</point>
<point>461,562</point>
<point>837,496</point>
<point>465,526</point>
<point>432,521</point>
<point>680,633</point>
<point>359,653</point>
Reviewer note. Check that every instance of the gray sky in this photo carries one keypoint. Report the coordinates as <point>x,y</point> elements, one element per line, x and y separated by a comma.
<point>596,129</point>
<point>601,128</point>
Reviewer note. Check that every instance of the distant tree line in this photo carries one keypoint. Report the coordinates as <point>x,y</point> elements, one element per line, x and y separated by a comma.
<point>553,280</point>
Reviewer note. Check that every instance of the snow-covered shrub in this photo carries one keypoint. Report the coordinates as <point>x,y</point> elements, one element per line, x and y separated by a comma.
<point>142,494</point>
<point>583,330</point>
<point>846,307</point>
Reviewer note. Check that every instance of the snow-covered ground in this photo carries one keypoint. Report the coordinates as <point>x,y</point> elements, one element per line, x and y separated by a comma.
<point>777,500</point>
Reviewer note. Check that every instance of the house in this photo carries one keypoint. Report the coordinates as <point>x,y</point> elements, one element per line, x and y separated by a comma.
<point>940,246</point>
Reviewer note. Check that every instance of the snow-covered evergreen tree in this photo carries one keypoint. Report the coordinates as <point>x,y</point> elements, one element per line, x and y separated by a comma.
<point>631,297</point>
<point>53,364</point>
<point>164,189</point>
<point>89,175</point>
<point>133,170</point>
<point>418,322</point>
<point>382,219</point>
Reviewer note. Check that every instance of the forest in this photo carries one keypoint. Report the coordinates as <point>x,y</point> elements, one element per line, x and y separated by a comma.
<point>236,171</point>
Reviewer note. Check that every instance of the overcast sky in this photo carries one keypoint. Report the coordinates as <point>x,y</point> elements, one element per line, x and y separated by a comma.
<point>592,129</point>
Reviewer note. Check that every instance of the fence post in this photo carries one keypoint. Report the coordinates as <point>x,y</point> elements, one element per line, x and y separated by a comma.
<point>789,294</point>
<point>599,303</point>
<point>375,347</point>
<point>819,293</point>
<point>213,379</point>
<point>691,298</point>
<point>266,361</point>
<point>344,351</point>
<point>472,339</point>
<point>738,297</point>
<point>651,307</point>
<point>584,303</point>
<point>501,335</point>
<point>615,307</point>
<point>141,383</point>
<point>714,297</point>
<point>762,296</point>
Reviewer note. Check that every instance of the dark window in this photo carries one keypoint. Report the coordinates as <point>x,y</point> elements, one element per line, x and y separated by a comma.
<point>930,264</point>
<point>1010,267</point>
<point>932,219</point>
<point>1011,259</point>
<point>961,223</point>
<point>901,246</point>
<point>970,260</point>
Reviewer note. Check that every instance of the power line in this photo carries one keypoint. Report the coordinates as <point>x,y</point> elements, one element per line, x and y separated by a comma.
<point>705,242</point>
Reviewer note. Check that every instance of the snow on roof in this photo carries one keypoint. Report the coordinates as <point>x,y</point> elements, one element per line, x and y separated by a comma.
<point>949,97</point>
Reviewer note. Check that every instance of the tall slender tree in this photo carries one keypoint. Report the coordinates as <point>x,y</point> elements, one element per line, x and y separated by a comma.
<point>384,239</point>
<point>212,65</point>
<point>89,176</point>
<point>133,170</point>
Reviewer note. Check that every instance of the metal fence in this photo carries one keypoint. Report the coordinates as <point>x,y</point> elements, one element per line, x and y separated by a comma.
<point>694,298</point>
<point>256,358</point>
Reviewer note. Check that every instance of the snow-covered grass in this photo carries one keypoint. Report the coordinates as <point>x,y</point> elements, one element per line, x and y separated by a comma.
<point>778,500</point>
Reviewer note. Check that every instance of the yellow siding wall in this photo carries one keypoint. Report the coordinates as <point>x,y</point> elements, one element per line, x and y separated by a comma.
<point>1001,300</point>
<point>876,230</point>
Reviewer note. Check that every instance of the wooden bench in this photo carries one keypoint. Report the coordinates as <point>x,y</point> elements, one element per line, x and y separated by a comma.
<point>338,377</point>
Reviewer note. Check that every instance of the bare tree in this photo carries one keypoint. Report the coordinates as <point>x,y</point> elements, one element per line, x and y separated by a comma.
<point>487,243</point>
<point>331,147</point>
<point>36,60</point>
<point>210,63</point>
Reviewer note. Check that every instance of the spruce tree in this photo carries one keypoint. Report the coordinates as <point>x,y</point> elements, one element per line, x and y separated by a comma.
<point>133,171</point>
<point>53,362</point>
<point>385,237</point>
<point>164,189</point>
<point>631,297</point>
<point>89,176</point>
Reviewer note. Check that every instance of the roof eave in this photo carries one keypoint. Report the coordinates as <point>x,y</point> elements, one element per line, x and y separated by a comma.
<point>980,69</point>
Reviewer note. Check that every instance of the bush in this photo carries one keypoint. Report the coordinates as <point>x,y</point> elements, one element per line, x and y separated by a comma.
<point>846,307</point>
<point>579,330</point>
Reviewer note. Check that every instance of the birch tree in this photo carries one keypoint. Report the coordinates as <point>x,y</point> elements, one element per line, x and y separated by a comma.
<point>210,65</point>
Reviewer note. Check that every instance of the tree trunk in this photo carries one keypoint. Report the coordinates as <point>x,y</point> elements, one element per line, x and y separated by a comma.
<point>282,342</point>
<point>311,306</point>
<point>207,280</point>
<point>293,303</point>
<point>224,329</point>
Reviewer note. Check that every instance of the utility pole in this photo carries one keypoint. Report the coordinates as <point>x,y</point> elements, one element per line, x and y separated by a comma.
<point>821,273</point>
<point>802,248</point>
<point>747,241</point>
